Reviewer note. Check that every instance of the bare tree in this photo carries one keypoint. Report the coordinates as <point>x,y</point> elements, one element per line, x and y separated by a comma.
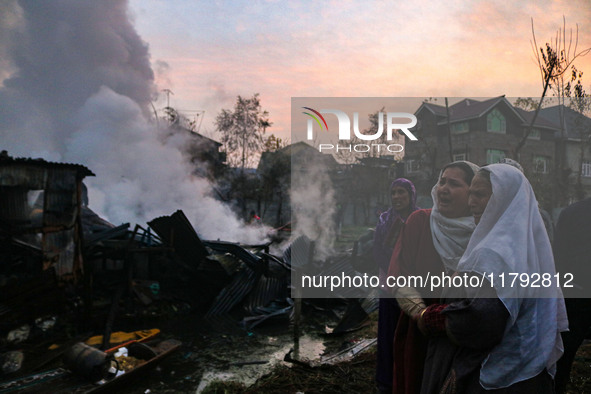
<point>554,62</point>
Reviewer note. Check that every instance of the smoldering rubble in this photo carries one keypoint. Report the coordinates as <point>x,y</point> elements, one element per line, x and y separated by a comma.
<point>66,271</point>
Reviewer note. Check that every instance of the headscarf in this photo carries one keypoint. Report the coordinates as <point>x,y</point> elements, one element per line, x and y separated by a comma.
<point>511,238</point>
<point>451,236</point>
<point>382,253</point>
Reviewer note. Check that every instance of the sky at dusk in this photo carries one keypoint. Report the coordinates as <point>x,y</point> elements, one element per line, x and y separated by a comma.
<point>77,77</point>
<point>209,52</point>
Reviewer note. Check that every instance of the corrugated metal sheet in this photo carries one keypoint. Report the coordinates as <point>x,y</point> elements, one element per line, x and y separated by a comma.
<point>57,180</point>
<point>14,208</point>
<point>41,165</point>
<point>59,251</point>
<point>55,218</point>
<point>231,295</point>
<point>266,290</point>
<point>60,200</point>
<point>176,230</point>
<point>339,267</point>
<point>250,322</point>
<point>253,261</point>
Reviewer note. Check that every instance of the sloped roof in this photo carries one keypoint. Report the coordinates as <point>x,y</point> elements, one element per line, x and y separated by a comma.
<point>470,108</point>
<point>8,161</point>
<point>194,134</point>
<point>571,118</point>
<point>541,121</point>
<point>466,109</point>
<point>436,109</point>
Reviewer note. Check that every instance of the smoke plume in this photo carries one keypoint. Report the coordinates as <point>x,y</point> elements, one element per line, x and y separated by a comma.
<point>314,207</point>
<point>76,87</point>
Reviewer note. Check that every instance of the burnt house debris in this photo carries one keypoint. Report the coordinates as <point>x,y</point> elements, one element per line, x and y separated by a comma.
<point>62,263</point>
<point>225,274</point>
<point>40,209</point>
<point>40,236</point>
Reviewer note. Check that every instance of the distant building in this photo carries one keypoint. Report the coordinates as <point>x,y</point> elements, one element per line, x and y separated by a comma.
<point>482,132</point>
<point>203,152</point>
<point>573,151</point>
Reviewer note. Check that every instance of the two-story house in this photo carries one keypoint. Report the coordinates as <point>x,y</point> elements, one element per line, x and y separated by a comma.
<point>482,132</point>
<point>573,152</point>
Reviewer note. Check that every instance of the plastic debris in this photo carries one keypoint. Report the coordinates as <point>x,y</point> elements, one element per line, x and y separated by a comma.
<point>19,335</point>
<point>122,351</point>
<point>45,323</point>
<point>12,361</point>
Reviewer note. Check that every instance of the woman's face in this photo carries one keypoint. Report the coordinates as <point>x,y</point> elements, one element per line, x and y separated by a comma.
<point>452,193</point>
<point>480,192</point>
<point>400,200</point>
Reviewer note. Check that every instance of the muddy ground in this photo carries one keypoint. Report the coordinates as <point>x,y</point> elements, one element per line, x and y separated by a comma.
<point>210,363</point>
<point>231,360</point>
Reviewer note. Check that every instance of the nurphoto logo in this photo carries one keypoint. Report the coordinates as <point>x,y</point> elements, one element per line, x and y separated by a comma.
<point>345,130</point>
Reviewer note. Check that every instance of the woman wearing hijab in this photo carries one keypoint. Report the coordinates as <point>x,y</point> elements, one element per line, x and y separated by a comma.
<point>498,337</point>
<point>433,240</point>
<point>390,223</point>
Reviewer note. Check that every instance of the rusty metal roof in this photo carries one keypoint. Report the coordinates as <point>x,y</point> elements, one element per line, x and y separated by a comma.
<point>8,161</point>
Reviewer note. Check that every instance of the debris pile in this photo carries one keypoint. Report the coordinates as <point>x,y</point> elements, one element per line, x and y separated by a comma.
<point>66,271</point>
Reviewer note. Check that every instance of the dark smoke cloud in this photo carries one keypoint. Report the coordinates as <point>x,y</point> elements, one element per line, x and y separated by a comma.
<point>63,51</point>
<point>76,87</point>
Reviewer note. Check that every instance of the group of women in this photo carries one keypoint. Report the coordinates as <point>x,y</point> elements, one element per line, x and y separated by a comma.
<point>494,337</point>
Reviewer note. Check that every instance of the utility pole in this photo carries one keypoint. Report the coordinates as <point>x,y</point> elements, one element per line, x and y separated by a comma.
<point>451,156</point>
<point>168,93</point>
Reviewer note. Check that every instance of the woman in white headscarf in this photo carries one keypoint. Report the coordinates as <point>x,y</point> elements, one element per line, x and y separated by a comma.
<point>503,336</point>
<point>431,242</point>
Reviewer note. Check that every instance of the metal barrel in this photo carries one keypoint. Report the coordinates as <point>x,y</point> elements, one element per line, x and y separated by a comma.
<point>87,361</point>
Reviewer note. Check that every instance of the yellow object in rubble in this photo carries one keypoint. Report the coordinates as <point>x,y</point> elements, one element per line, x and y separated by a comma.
<point>121,336</point>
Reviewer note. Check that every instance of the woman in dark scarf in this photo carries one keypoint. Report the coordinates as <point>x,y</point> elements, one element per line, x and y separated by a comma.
<point>390,223</point>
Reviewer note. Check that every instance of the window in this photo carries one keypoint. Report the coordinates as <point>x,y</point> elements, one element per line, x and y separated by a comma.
<point>459,128</point>
<point>412,166</point>
<point>494,156</point>
<point>459,157</point>
<point>586,169</point>
<point>534,135</point>
<point>495,122</point>
<point>541,164</point>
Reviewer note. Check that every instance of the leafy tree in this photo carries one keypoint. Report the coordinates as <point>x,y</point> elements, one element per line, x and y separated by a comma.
<point>580,103</point>
<point>273,144</point>
<point>242,129</point>
<point>526,104</point>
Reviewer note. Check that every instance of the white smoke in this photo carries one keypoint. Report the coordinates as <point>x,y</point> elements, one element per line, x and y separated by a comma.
<point>78,90</point>
<point>314,206</point>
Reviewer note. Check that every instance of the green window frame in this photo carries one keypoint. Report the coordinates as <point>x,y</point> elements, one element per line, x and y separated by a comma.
<point>494,156</point>
<point>495,122</point>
